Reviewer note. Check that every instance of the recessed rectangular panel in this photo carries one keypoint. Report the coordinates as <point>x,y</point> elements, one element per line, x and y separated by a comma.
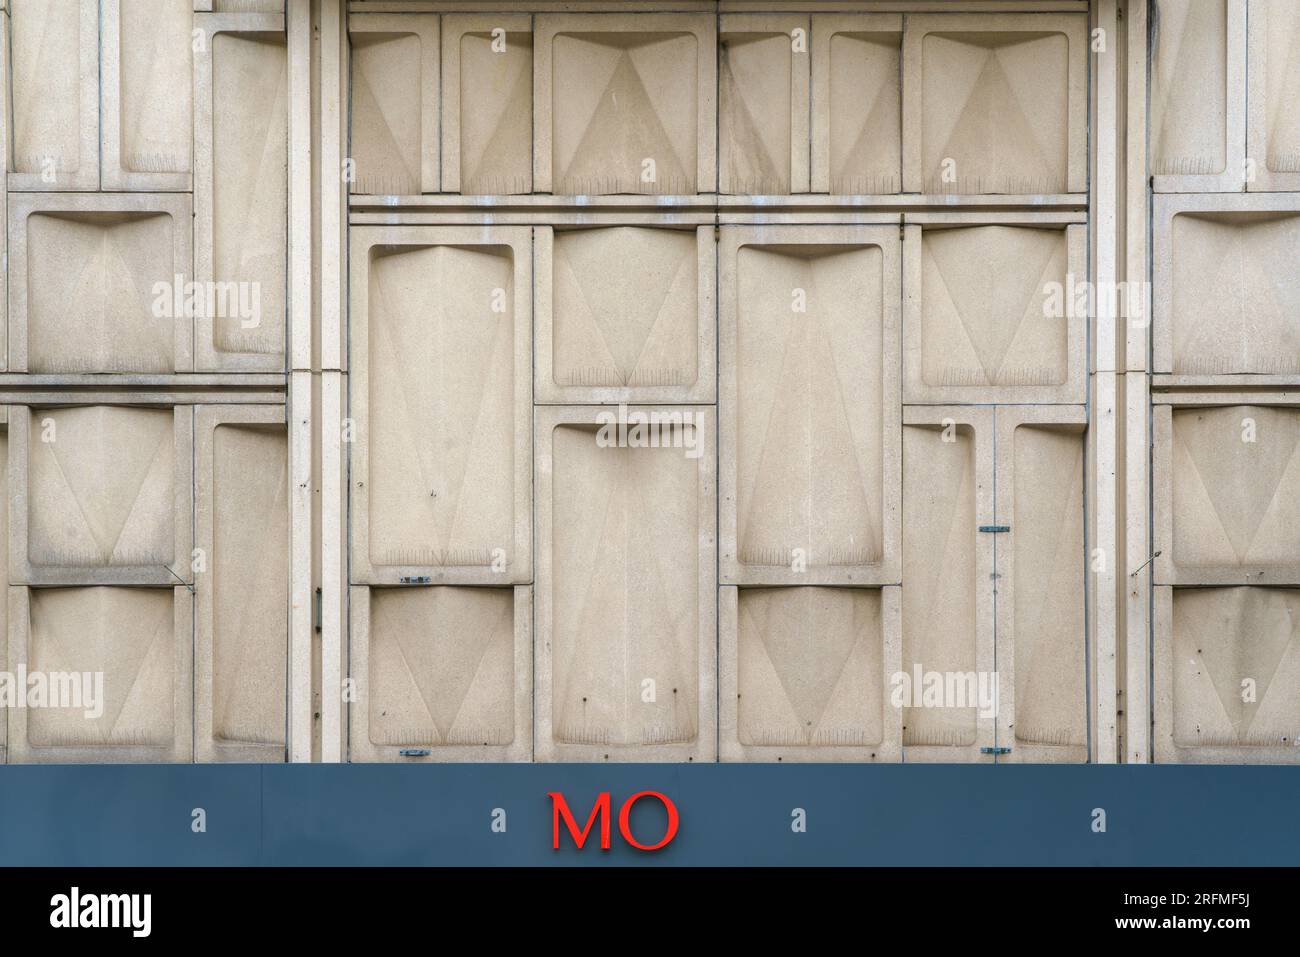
<point>809,389</point>
<point>241,194</point>
<point>625,104</point>
<point>1042,633</point>
<point>243,588</point>
<point>100,283</point>
<point>993,314</point>
<point>117,668</point>
<point>102,495</point>
<point>994,104</point>
<point>441,343</point>
<point>626,608</point>
<point>806,672</point>
<point>394,108</point>
<point>1273,124</point>
<point>1226,296</point>
<point>54,94</point>
<point>147,121</point>
<point>1197,123</point>
<point>940,604</point>
<point>857,104</point>
<point>1227,675</point>
<point>442,674</point>
<point>1227,485</point>
<point>487,115</point>
<point>763,75</point>
<point>625,314</point>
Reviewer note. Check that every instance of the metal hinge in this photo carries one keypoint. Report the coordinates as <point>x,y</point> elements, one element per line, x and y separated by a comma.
<point>995,529</point>
<point>998,750</point>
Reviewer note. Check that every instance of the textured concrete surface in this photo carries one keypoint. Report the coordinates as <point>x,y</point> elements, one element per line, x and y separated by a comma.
<point>377,520</point>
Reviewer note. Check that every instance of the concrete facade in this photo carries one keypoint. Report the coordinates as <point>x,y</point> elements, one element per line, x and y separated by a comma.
<point>750,380</point>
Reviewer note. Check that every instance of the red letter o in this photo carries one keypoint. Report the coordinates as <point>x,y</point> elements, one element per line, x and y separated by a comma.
<point>625,813</point>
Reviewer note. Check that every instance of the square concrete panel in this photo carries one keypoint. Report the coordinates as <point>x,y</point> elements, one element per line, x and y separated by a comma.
<point>100,283</point>
<point>1041,585</point>
<point>763,76</point>
<point>626,652</point>
<point>948,562</point>
<point>1197,119</point>
<point>241,192</point>
<point>1227,494</point>
<point>625,103</point>
<point>991,314</point>
<point>441,384</point>
<point>147,119</point>
<point>626,314</point>
<point>100,495</point>
<point>1226,296</point>
<point>487,104</point>
<point>130,648</point>
<point>810,405</point>
<point>1273,120</point>
<point>394,130</point>
<point>442,673</point>
<point>805,674</point>
<point>54,94</point>
<point>857,127</point>
<point>242,588</point>
<point>995,103</point>
<point>1227,675</point>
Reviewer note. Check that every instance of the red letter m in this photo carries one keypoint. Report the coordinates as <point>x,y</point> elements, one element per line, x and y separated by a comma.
<point>560,807</point>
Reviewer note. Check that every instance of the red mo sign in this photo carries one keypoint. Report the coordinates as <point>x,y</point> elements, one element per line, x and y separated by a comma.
<point>560,809</point>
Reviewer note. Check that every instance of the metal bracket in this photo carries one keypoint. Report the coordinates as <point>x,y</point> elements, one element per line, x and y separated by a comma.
<point>995,529</point>
<point>995,750</point>
<point>414,580</point>
<point>415,752</point>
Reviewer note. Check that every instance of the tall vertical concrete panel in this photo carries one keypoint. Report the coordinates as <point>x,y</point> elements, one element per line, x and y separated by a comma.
<point>395,63</point>
<point>240,204</point>
<point>1273,91</point>
<point>487,106</point>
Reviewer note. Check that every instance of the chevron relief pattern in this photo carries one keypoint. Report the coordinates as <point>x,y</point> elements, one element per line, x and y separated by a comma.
<point>754,113</point>
<point>1236,504</point>
<point>1048,614</point>
<point>441,666</point>
<point>809,667</point>
<point>125,633</point>
<point>45,45</point>
<point>809,394</point>
<point>625,307</point>
<point>939,568</point>
<point>101,493</point>
<point>620,99</point>
<point>249,183</point>
<point>441,390</point>
<point>1189,80</point>
<point>626,592</point>
<point>982,321</point>
<point>89,292</point>
<point>1230,314</point>
<point>156,85</point>
<point>496,114</point>
<point>386,114</point>
<point>250,582</point>
<point>865,114</point>
<point>1223,637</point>
<point>1282,85</point>
<point>997,104</point>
